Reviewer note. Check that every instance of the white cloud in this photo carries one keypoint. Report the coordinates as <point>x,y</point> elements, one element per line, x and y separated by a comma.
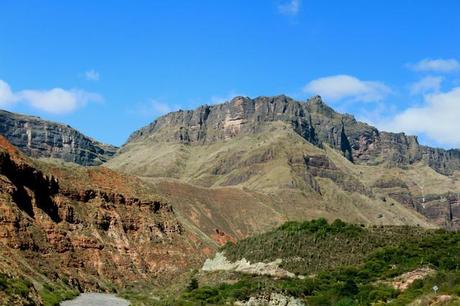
<point>425,85</point>
<point>347,87</point>
<point>7,96</point>
<point>92,75</point>
<point>161,108</point>
<point>436,65</point>
<point>438,118</point>
<point>55,101</point>
<point>290,8</point>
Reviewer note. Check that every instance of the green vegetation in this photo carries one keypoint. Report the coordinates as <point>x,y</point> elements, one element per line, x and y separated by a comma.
<point>321,228</point>
<point>373,258</point>
<point>314,246</point>
<point>15,289</point>
<point>140,298</point>
<point>14,286</point>
<point>53,296</point>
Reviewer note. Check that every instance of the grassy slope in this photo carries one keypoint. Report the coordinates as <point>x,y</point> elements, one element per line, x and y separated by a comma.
<point>252,175</point>
<point>261,179</point>
<point>20,283</point>
<point>419,177</point>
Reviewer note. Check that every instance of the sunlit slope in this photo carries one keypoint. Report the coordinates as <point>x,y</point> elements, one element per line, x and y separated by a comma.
<point>253,182</point>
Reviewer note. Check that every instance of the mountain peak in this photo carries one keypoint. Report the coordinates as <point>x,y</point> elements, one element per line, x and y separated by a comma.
<point>317,105</point>
<point>313,120</point>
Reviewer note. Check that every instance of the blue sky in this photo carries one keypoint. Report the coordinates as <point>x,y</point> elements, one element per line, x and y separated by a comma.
<point>108,68</point>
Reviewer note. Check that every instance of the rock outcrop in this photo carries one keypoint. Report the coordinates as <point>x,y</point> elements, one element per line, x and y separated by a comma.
<point>404,281</point>
<point>40,138</point>
<point>221,263</point>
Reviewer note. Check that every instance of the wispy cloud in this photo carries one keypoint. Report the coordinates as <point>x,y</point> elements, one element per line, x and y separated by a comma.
<point>339,87</point>
<point>292,7</point>
<point>92,75</point>
<point>161,107</point>
<point>158,106</point>
<point>224,98</point>
<point>436,65</point>
<point>155,107</point>
<point>54,101</point>
<point>425,85</point>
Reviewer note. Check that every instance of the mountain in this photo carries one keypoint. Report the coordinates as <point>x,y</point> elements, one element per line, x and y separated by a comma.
<point>66,228</point>
<point>304,159</point>
<point>314,121</point>
<point>45,139</point>
<point>225,178</point>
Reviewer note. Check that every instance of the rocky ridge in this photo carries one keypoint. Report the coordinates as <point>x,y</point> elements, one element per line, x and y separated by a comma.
<point>40,138</point>
<point>313,120</point>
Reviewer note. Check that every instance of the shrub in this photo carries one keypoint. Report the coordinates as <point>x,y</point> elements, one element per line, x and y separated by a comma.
<point>193,284</point>
<point>3,281</point>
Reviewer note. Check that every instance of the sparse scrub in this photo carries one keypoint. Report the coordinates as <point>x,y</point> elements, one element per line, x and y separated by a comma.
<point>313,246</point>
<point>353,265</point>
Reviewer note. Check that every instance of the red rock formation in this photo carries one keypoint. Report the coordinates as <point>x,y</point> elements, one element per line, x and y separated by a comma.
<point>88,236</point>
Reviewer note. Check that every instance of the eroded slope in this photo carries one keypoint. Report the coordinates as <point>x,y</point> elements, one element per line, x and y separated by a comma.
<point>86,228</point>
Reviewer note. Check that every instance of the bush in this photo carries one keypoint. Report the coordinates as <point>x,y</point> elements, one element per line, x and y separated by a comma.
<point>193,284</point>
<point>53,296</point>
<point>345,302</point>
<point>3,281</point>
<point>19,286</point>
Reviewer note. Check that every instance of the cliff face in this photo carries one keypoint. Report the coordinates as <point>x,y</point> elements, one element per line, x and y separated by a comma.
<point>39,138</point>
<point>443,161</point>
<point>86,238</point>
<point>366,145</point>
<point>242,115</point>
<point>314,121</point>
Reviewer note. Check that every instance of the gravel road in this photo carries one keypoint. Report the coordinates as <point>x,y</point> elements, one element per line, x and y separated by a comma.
<point>96,299</point>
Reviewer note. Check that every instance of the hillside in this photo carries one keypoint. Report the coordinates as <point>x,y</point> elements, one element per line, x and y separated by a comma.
<point>334,264</point>
<point>65,229</point>
<point>39,138</point>
<point>303,158</point>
